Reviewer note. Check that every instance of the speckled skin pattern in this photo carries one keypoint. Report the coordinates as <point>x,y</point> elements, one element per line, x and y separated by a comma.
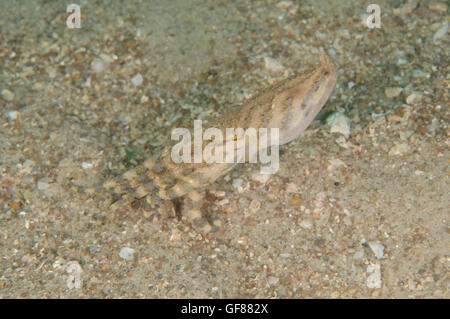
<point>290,106</point>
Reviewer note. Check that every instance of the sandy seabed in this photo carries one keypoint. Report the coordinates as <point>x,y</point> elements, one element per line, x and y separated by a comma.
<point>358,216</point>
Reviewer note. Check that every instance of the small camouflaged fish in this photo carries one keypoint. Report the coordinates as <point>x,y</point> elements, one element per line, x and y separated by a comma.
<point>289,106</point>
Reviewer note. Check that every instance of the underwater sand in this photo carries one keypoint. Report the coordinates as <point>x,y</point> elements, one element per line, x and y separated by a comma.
<point>360,217</point>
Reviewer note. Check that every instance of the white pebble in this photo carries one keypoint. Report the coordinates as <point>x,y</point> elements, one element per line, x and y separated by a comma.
<point>401,61</point>
<point>237,183</point>
<point>7,95</point>
<point>417,73</point>
<point>406,8</point>
<point>284,4</point>
<point>86,165</point>
<point>137,79</point>
<point>272,65</point>
<point>273,281</point>
<point>335,163</point>
<point>339,123</point>
<point>373,276</point>
<point>306,224</point>
<point>413,98</point>
<point>440,33</point>
<point>291,188</point>
<point>223,202</point>
<point>126,253</point>
<point>393,91</point>
<point>99,65</point>
<point>108,58</point>
<point>377,248</point>
<point>12,115</point>
<point>399,149</point>
<point>27,166</point>
<point>261,178</point>
<point>43,183</point>
<point>342,142</point>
